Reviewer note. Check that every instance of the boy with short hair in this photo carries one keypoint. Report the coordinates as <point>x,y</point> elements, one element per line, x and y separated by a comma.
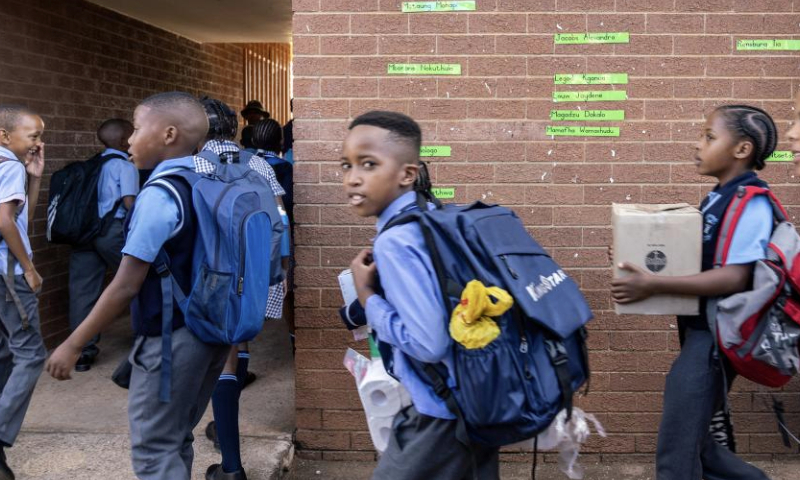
<point>167,129</point>
<point>117,186</point>
<point>22,351</point>
<point>380,162</point>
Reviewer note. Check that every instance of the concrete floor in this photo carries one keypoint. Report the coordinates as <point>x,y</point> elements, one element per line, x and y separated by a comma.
<point>78,429</point>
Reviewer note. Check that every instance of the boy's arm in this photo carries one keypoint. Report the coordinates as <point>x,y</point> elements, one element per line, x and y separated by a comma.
<point>112,303</point>
<point>34,165</point>
<point>9,233</point>
<point>639,284</point>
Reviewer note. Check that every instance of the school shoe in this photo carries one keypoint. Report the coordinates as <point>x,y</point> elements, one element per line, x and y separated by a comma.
<point>84,363</point>
<point>248,379</point>
<point>215,472</point>
<point>5,470</point>
<point>211,434</point>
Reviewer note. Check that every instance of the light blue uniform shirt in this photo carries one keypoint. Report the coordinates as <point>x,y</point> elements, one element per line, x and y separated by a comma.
<point>752,234</point>
<point>156,218</point>
<point>12,189</point>
<point>411,316</point>
<point>118,178</point>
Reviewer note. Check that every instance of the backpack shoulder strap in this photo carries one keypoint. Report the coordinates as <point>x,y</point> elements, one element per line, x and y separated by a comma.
<point>733,213</point>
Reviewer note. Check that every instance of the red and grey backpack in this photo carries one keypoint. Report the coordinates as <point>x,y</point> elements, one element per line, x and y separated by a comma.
<point>758,330</point>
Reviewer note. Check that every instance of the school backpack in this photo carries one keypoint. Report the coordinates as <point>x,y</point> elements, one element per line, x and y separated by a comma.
<point>512,388</point>
<point>72,216</point>
<point>759,330</point>
<point>237,226</point>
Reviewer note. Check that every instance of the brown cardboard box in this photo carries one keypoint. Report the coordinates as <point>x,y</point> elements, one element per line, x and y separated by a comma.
<point>664,240</point>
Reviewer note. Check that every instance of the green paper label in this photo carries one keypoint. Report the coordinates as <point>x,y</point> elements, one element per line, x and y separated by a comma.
<point>424,69</point>
<point>444,193</point>
<point>781,156</point>
<point>587,115</point>
<point>586,38</point>
<point>414,7</point>
<point>771,44</point>
<point>434,151</point>
<point>591,96</point>
<point>591,79</point>
<point>568,131</point>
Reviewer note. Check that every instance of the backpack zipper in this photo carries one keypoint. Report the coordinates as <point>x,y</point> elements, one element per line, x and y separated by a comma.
<point>513,273</point>
<point>243,250</point>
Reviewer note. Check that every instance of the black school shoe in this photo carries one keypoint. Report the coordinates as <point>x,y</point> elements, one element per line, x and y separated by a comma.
<point>248,379</point>
<point>211,434</point>
<point>5,470</point>
<point>86,360</point>
<point>215,472</point>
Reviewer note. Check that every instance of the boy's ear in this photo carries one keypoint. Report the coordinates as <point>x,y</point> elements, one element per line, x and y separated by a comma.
<point>743,149</point>
<point>5,136</point>
<point>410,172</point>
<point>170,135</point>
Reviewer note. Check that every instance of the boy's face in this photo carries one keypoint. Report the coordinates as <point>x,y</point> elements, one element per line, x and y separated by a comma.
<point>374,172</point>
<point>147,141</point>
<point>794,135</point>
<point>714,152</point>
<point>25,138</point>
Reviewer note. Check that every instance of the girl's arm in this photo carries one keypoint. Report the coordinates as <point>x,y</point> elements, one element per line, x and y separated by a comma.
<point>639,284</point>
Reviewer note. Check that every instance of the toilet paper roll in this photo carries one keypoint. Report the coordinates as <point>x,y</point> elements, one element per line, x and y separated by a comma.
<point>380,430</point>
<point>381,395</point>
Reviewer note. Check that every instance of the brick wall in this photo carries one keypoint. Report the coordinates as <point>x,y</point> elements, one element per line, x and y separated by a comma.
<point>681,61</point>
<point>78,64</point>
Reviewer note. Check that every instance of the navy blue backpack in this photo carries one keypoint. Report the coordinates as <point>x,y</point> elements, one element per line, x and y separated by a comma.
<point>511,389</point>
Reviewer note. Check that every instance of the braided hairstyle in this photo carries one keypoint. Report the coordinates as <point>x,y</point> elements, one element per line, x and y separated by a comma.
<point>223,122</point>
<point>268,135</point>
<point>753,124</point>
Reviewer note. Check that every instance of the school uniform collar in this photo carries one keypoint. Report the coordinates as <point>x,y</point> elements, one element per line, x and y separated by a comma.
<point>398,205</point>
<point>182,162</point>
<point>221,146</point>
<point>4,152</point>
<point>114,151</point>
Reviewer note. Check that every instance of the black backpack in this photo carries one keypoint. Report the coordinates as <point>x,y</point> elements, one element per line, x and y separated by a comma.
<point>72,216</point>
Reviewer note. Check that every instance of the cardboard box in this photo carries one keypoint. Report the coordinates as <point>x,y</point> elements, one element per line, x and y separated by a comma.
<point>663,239</point>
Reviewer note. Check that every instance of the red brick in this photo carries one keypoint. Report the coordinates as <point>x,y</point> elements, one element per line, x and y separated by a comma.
<point>551,23</point>
<point>738,24</point>
<point>759,89</point>
<point>349,5</point>
<point>631,23</point>
<point>315,24</point>
<point>378,24</point>
<point>497,23</point>
<point>526,5</point>
<point>344,45</point>
<point>406,44</point>
<point>407,87</point>
<point>642,6</point>
<point>674,23</point>
<point>524,44</point>
<point>439,24</point>
<point>704,5</point>
<point>464,45</point>
<point>585,5</point>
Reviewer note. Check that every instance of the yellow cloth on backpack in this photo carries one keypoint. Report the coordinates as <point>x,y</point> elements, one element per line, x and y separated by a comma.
<point>471,324</point>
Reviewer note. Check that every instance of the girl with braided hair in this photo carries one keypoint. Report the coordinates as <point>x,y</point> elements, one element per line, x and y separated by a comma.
<point>735,141</point>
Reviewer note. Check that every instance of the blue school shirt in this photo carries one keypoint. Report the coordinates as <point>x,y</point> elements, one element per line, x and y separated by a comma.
<point>156,217</point>
<point>12,189</point>
<point>752,234</point>
<point>411,316</point>
<point>118,178</point>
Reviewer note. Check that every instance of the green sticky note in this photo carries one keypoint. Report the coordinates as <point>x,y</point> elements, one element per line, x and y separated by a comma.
<point>424,69</point>
<point>434,151</point>
<point>444,193</point>
<point>591,79</point>
<point>770,44</point>
<point>586,38</point>
<point>415,7</point>
<point>569,131</point>
<point>587,115</point>
<point>781,156</point>
<point>591,96</point>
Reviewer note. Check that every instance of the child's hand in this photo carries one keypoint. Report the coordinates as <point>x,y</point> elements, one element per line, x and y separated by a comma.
<point>631,288</point>
<point>34,162</point>
<point>62,361</point>
<point>34,280</point>
<point>365,275</point>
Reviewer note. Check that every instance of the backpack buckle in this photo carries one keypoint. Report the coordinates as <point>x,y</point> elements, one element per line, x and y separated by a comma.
<point>556,351</point>
<point>163,270</point>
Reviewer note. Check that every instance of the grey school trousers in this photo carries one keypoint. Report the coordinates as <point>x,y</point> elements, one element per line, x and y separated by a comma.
<point>686,450</point>
<point>22,356</point>
<point>87,272</point>
<point>425,448</point>
<point>161,433</point>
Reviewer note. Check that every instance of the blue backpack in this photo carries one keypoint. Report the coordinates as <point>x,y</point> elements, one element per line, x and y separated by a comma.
<point>237,245</point>
<point>511,389</point>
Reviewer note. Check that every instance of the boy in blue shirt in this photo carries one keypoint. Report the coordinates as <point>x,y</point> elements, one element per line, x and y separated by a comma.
<point>167,129</point>
<point>117,186</point>
<point>22,351</point>
<point>380,162</point>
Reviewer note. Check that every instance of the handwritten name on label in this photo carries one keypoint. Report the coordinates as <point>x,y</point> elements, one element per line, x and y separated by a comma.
<point>587,115</point>
<point>415,7</point>
<point>591,96</point>
<point>770,44</point>
<point>569,131</point>
<point>590,79</point>
<point>589,38</point>
<point>424,69</point>
<point>434,151</point>
<point>781,156</point>
<point>444,193</point>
